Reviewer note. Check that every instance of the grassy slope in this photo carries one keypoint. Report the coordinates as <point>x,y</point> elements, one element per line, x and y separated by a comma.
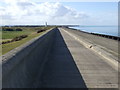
<point>7,47</point>
<point>30,31</point>
<point>12,34</point>
<point>26,30</point>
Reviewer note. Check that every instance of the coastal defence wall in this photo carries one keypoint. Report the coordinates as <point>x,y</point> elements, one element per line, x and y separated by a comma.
<point>100,35</point>
<point>107,48</point>
<point>22,66</point>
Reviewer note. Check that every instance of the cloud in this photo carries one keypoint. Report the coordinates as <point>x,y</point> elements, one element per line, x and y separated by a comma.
<point>27,12</point>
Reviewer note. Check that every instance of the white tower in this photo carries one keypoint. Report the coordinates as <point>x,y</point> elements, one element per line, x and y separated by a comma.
<point>45,24</point>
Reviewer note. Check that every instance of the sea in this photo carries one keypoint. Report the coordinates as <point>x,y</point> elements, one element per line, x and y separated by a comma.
<point>107,30</point>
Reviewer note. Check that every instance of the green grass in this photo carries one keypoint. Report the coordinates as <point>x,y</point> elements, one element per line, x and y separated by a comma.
<point>13,34</point>
<point>26,31</point>
<point>7,47</point>
<point>8,35</point>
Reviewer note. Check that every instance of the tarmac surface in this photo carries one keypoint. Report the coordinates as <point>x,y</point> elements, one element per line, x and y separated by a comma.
<point>71,65</point>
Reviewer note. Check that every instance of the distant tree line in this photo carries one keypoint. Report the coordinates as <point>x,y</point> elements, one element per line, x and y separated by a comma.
<point>11,29</point>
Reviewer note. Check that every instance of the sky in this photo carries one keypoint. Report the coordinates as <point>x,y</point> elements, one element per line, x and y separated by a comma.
<point>33,12</point>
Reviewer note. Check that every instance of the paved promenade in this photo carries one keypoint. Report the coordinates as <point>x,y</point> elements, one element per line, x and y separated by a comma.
<point>109,44</point>
<point>71,65</point>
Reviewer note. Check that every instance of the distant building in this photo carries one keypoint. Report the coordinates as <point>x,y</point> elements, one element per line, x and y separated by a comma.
<point>45,24</point>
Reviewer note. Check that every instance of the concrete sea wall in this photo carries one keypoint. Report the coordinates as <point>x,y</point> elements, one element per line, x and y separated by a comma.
<point>100,35</point>
<point>21,67</point>
<point>102,51</point>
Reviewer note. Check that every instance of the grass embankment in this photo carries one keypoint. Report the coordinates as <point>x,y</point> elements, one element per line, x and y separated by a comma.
<point>12,34</point>
<point>30,31</point>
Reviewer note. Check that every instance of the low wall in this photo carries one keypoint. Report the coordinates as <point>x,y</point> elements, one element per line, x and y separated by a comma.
<point>21,68</point>
<point>101,35</point>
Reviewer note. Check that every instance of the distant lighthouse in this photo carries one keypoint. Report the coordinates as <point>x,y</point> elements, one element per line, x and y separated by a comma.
<point>45,24</point>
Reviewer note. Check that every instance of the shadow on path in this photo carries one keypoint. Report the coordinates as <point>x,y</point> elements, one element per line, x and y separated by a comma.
<point>60,70</point>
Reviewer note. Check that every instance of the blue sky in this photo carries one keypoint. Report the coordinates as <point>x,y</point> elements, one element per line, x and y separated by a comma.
<point>94,6</point>
<point>107,11</point>
<point>81,13</point>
